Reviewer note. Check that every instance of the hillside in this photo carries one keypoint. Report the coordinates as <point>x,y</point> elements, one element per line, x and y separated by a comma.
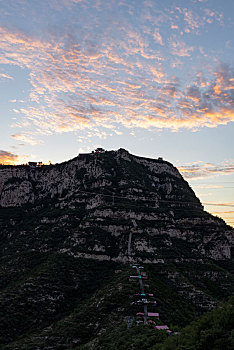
<point>69,233</point>
<point>213,331</point>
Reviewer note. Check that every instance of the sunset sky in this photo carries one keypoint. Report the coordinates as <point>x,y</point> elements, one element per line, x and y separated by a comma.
<point>153,77</point>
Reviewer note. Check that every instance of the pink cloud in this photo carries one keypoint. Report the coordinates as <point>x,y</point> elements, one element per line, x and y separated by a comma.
<point>179,47</point>
<point>6,76</point>
<point>192,20</point>
<point>8,158</point>
<point>26,138</point>
<point>201,170</point>
<point>157,37</point>
<point>76,86</point>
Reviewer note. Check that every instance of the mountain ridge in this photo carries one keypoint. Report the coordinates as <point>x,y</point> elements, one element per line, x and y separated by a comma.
<point>68,233</point>
<point>116,186</point>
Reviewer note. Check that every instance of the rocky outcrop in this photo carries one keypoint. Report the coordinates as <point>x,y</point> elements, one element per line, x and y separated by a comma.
<point>65,229</point>
<point>94,199</point>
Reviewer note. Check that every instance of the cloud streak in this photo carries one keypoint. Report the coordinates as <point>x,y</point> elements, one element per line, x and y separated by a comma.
<point>5,76</point>
<point>215,204</point>
<point>26,138</point>
<point>200,170</point>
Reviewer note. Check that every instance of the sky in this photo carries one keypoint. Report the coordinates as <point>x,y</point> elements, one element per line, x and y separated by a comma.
<point>153,77</point>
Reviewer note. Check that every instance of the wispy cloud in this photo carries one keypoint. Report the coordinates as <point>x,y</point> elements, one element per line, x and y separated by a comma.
<point>191,19</point>
<point>6,76</point>
<point>179,47</point>
<point>194,22</point>
<point>201,170</point>
<point>215,204</point>
<point>8,158</point>
<point>26,138</point>
<point>157,37</point>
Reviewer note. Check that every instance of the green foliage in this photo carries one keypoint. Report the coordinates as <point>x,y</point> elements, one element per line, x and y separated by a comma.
<point>47,292</point>
<point>138,337</point>
<point>213,331</point>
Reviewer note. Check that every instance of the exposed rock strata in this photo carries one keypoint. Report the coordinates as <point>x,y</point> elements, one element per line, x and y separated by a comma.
<point>102,194</point>
<point>64,229</point>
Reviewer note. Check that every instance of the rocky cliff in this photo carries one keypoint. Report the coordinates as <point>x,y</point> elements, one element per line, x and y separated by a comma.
<point>67,232</point>
<point>101,197</point>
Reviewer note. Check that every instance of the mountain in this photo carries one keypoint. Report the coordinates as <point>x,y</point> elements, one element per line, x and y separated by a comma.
<point>69,232</point>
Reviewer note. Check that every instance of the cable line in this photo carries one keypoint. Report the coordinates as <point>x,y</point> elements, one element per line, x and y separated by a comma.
<point>156,200</point>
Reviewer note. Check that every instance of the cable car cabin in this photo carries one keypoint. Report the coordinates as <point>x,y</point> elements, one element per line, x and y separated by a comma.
<point>153,314</point>
<point>161,328</point>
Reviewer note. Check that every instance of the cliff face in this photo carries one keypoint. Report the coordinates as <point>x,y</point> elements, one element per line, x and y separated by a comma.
<point>96,200</point>
<point>24,184</point>
<point>66,231</point>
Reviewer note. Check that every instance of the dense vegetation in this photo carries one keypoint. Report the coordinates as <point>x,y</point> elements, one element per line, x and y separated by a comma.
<point>213,331</point>
<point>64,268</point>
<point>83,304</point>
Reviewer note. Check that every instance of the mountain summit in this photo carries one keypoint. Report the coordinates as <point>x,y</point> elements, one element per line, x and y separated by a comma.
<point>95,200</point>
<point>70,230</point>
